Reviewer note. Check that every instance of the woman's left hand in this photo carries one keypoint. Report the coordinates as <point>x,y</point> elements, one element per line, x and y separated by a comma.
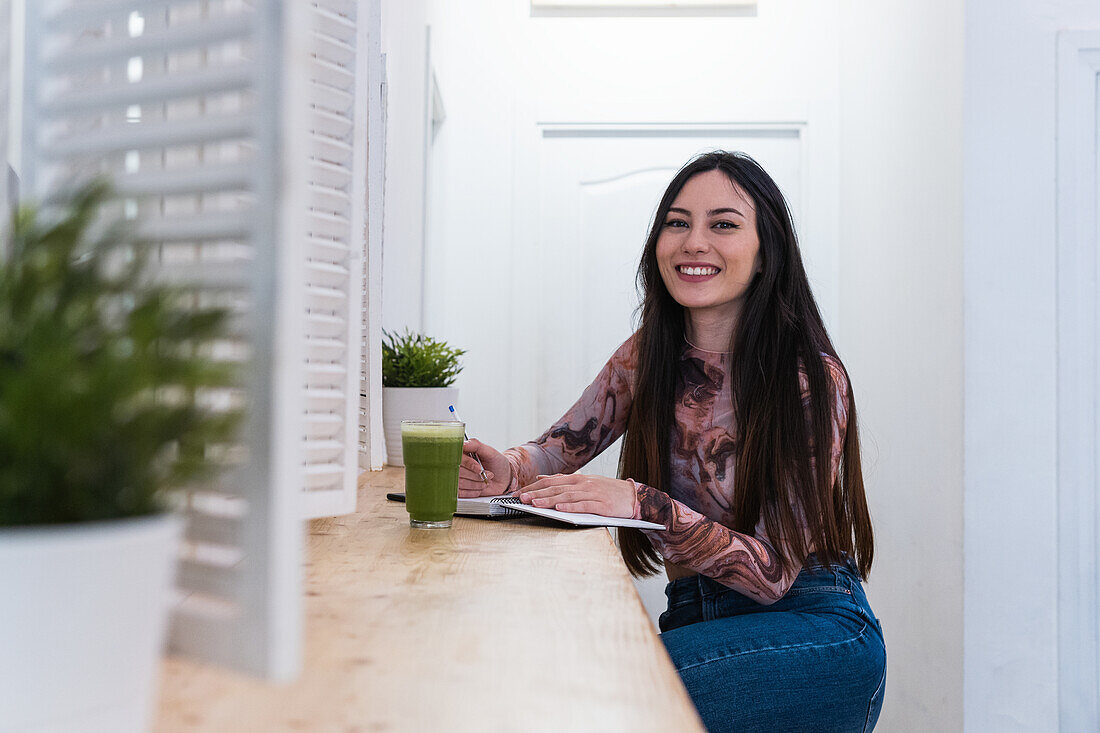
<point>575,492</point>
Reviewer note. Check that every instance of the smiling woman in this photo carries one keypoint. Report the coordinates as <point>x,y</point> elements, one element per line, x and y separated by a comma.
<point>708,252</point>
<point>740,438</point>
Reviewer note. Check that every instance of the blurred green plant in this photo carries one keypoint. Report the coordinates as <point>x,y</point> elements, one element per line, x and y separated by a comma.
<point>415,360</point>
<point>105,376</point>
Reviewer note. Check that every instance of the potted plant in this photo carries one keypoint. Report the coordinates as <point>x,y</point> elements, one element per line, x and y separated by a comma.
<point>102,374</point>
<point>417,374</point>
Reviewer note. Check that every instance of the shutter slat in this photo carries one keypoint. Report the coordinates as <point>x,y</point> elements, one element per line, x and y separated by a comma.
<point>321,222</point>
<point>324,319</point>
<point>325,199</point>
<point>345,8</point>
<point>78,15</point>
<point>334,74</point>
<point>329,246</point>
<point>332,22</point>
<point>326,369</point>
<point>325,394</point>
<point>121,49</point>
<point>325,173</point>
<point>332,49</point>
<point>207,276</point>
<point>138,137</point>
<point>195,228</point>
<point>328,268</point>
<point>158,89</point>
<point>331,125</point>
<point>330,149</point>
<point>325,296</point>
<point>316,343</point>
<point>333,99</point>
<point>204,179</point>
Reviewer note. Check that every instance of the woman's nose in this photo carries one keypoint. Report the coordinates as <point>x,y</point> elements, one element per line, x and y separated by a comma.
<point>695,241</point>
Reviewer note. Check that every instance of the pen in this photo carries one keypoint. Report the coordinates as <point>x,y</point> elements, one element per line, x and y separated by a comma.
<point>455,413</point>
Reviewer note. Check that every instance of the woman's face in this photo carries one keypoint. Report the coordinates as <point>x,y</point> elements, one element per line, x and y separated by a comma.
<point>708,251</point>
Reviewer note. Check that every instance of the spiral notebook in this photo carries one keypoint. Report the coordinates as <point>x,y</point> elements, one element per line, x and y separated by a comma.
<point>509,506</point>
<point>481,506</point>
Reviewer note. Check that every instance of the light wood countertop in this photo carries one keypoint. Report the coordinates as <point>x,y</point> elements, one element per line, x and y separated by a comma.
<point>511,625</point>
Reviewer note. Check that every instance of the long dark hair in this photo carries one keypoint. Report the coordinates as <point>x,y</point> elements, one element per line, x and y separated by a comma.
<point>780,328</point>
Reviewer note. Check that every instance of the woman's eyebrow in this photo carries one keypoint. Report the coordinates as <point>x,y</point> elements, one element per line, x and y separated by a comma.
<point>712,212</point>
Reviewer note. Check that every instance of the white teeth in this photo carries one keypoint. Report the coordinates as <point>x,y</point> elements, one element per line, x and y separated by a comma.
<point>699,270</point>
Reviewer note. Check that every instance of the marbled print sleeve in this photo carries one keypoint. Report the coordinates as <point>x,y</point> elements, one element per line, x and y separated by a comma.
<point>747,563</point>
<point>596,420</point>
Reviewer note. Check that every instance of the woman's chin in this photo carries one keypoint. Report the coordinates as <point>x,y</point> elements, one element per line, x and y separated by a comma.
<point>695,302</point>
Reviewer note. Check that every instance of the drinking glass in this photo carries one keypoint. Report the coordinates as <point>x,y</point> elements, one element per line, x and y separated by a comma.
<point>433,452</point>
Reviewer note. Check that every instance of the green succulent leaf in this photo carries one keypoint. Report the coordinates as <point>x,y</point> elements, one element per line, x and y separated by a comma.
<point>415,360</point>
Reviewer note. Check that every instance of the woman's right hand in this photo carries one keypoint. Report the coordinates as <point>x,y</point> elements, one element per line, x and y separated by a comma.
<point>497,469</point>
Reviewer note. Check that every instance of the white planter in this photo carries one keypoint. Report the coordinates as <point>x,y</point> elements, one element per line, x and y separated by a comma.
<point>412,403</point>
<point>83,615</point>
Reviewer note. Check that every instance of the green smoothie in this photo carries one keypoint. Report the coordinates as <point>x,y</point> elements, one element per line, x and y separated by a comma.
<point>432,453</point>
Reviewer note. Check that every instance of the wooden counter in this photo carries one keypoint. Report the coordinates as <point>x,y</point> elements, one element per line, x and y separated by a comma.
<point>510,625</point>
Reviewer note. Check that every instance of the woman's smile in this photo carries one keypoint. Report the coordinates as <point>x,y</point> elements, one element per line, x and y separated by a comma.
<point>696,272</point>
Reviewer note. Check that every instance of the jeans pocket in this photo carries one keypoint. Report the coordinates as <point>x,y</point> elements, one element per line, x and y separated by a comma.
<point>866,615</point>
<point>683,609</point>
<point>864,611</point>
<point>662,621</point>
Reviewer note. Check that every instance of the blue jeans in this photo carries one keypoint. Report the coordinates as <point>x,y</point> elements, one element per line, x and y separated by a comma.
<point>813,661</point>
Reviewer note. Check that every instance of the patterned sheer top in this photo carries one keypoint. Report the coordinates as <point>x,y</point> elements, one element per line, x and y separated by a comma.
<point>696,508</point>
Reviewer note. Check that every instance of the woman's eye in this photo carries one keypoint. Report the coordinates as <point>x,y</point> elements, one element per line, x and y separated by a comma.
<point>725,225</point>
<point>675,223</point>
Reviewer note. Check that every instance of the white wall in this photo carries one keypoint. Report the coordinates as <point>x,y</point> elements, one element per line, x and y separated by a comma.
<point>894,71</point>
<point>1010,278</point>
<point>403,41</point>
<point>901,306</point>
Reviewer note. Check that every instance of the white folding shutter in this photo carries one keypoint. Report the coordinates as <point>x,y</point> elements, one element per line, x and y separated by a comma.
<point>335,192</point>
<point>225,138</point>
<point>371,448</point>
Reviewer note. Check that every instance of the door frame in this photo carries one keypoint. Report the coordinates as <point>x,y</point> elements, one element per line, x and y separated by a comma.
<point>1078,441</point>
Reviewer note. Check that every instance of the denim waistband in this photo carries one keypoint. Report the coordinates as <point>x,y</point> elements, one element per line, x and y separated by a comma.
<point>821,589</point>
<point>843,577</point>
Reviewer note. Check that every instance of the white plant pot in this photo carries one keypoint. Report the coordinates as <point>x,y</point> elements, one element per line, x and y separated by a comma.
<point>83,615</point>
<point>412,403</point>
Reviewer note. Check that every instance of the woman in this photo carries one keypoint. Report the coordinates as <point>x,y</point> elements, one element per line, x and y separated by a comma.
<point>740,437</point>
